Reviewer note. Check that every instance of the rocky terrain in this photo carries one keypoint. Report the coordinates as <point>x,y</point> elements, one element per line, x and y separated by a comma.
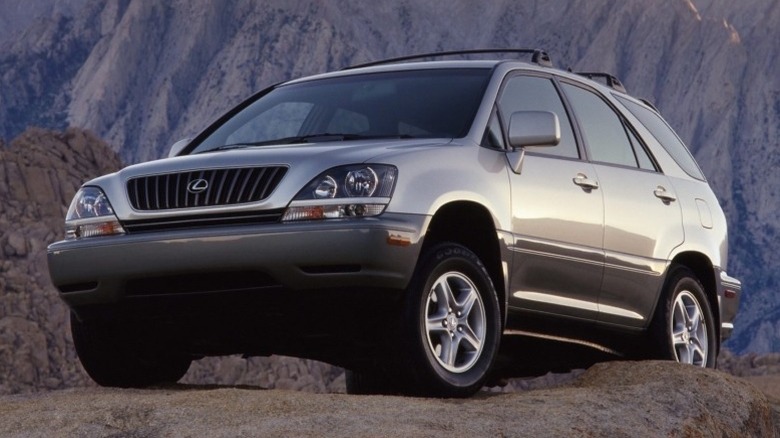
<point>651,399</point>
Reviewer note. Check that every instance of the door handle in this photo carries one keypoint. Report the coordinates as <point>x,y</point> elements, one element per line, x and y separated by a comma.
<point>586,183</point>
<point>661,193</point>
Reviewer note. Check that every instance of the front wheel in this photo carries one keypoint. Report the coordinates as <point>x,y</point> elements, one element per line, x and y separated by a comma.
<point>684,326</point>
<point>113,357</point>
<point>452,323</point>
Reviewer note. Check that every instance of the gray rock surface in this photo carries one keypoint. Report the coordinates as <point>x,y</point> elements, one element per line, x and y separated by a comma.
<point>641,399</point>
<point>39,174</point>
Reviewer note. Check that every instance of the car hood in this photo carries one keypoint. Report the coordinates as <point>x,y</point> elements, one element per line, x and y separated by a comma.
<point>325,154</point>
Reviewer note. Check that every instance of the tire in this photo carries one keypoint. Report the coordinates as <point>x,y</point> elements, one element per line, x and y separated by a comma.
<point>684,327</point>
<point>111,358</point>
<point>451,324</point>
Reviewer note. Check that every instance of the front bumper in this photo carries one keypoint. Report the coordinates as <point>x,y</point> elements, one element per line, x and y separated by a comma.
<point>368,253</point>
<point>729,294</point>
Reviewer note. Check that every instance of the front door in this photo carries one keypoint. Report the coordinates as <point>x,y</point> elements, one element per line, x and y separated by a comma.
<point>557,214</point>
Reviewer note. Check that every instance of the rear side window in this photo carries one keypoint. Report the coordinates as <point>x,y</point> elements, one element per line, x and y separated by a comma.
<point>641,154</point>
<point>603,130</point>
<point>664,134</point>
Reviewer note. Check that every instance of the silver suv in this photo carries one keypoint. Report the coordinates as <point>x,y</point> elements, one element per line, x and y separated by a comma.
<point>404,220</point>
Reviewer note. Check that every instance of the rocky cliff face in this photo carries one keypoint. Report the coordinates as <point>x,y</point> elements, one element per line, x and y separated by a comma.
<point>39,174</point>
<point>143,74</point>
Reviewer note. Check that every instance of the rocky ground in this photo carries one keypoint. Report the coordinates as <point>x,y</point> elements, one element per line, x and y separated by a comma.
<point>616,399</point>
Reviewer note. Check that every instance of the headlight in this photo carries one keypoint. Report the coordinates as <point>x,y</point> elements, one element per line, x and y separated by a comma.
<point>90,214</point>
<point>348,191</point>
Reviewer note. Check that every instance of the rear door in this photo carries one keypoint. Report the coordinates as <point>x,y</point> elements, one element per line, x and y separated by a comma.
<point>557,213</point>
<point>643,220</point>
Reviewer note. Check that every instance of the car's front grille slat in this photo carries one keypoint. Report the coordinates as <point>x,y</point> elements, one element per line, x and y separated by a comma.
<point>146,205</point>
<point>167,192</point>
<point>257,181</point>
<point>218,187</point>
<point>157,194</point>
<point>177,192</point>
<point>244,183</point>
<point>219,197</point>
<point>232,188</point>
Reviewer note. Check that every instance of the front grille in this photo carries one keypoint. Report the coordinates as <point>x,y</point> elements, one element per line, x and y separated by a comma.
<point>203,221</point>
<point>204,188</point>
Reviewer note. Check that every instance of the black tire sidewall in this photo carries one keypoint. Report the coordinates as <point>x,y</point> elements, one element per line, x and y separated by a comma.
<point>110,360</point>
<point>429,374</point>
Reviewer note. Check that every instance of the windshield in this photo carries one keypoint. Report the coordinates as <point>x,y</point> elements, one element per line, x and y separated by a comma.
<point>402,104</point>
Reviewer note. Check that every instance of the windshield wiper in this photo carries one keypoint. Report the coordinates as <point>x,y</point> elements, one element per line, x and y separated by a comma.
<point>310,138</point>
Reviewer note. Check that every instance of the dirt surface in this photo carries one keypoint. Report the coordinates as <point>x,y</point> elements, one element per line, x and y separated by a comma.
<point>614,399</point>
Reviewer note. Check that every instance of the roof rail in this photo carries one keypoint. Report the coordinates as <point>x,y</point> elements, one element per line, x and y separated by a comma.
<point>650,104</point>
<point>538,56</point>
<point>611,81</point>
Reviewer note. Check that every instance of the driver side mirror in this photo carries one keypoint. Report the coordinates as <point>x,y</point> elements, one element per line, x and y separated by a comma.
<point>534,128</point>
<point>178,147</point>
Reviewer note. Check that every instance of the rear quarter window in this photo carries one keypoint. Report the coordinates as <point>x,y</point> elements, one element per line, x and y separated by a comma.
<point>665,135</point>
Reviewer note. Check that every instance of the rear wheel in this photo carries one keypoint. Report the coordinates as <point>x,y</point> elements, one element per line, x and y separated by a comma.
<point>684,326</point>
<point>113,358</point>
<point>452,323</point>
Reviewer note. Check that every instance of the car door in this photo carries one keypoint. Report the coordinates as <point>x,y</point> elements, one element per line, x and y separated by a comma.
<point>642,220</point>
<point>557,213</point>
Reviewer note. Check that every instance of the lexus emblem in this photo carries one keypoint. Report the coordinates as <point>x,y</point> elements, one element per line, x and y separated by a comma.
<point>197,186</point>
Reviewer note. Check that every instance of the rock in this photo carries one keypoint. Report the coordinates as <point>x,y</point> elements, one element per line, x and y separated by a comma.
<point>22,344</point>
<point>652,399</point>
<point>275,372</point>
<point>749,364</point>
<point>17,244</point>
<point>700,400</point>
<point>36,352</point>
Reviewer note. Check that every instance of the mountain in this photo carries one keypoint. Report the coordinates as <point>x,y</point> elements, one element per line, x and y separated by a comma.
<point>16,16</point>
<point>143,74</point>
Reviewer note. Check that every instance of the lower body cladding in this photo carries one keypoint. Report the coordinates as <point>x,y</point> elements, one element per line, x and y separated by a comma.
<point>299,289</point>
